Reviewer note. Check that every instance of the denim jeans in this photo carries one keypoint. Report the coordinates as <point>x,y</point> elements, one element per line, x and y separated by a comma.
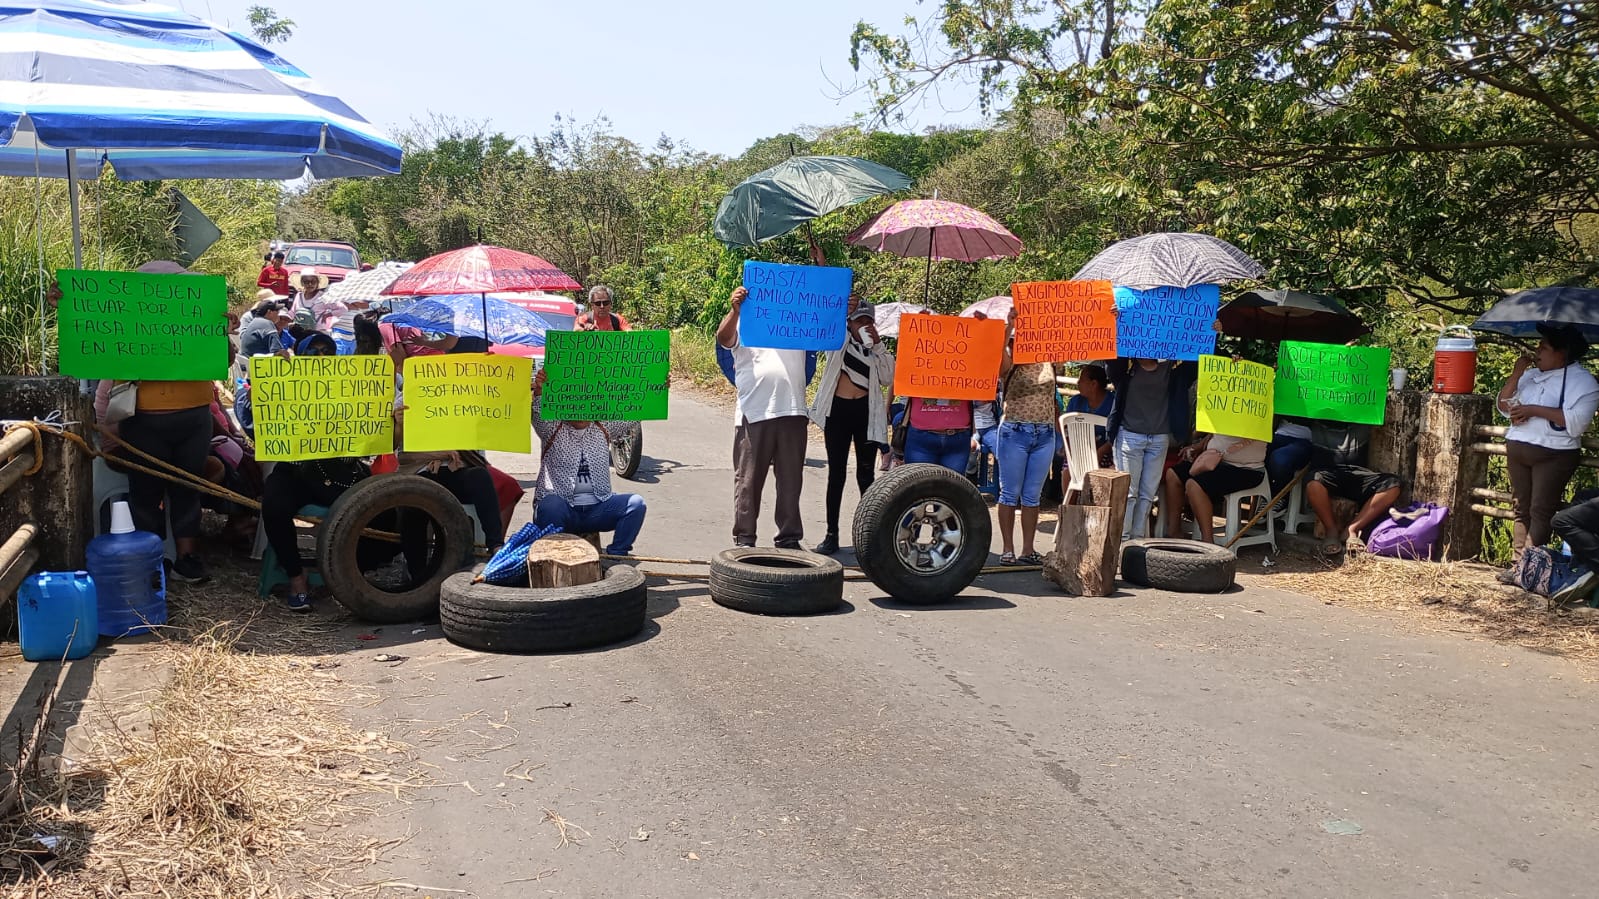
<point>988,472</point>
<point>622,513</point>
<point>1026,450</point>
<point>948,450</point>
<point>1284,458</point>
<point>1143,457</point>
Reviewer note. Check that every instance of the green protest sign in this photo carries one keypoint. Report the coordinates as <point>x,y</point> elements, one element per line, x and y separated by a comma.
<point>133,326</point>
<point>605,375</point>
<point>1333,383</point>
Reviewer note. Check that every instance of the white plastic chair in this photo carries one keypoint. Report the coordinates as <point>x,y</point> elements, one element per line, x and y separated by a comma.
<point>1264,532</point>
<point>111,486</point>
<point>1297,514</point>
<point>1082,449</point>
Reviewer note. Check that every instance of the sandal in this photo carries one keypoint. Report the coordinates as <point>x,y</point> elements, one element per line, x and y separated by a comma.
<point>1008,559</point>
<point>1032,558</point>
<point>1333,549</point>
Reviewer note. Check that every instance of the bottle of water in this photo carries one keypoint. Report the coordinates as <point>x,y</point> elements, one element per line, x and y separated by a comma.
<point>130,583</point>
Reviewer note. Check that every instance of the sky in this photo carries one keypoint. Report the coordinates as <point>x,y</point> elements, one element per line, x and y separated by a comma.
<point>713,74</point>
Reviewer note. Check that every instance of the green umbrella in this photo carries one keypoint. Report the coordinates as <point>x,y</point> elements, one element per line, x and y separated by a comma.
<point>774,202</point>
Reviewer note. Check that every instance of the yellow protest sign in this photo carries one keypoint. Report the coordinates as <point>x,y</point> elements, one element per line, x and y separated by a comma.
<point>322,407</point>
<point>468,401</point>
<point>1235,398</point>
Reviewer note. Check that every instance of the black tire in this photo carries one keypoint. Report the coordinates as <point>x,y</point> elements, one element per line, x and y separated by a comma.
<point>555,619</point>
<point>899,496</point>
<point>1180,566</point>
<point>626,451</point>
<point>339,541</point>
<point>776,581</point>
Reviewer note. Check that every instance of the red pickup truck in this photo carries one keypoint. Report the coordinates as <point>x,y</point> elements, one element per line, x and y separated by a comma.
<point>333,258</point>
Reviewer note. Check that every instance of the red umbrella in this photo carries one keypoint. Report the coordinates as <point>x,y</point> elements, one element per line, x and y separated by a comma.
<point>937,229</point>
<point>479,269</point>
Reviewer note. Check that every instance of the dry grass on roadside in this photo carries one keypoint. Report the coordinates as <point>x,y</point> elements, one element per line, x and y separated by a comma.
<point>245,762</point>
<point>1461,597</point>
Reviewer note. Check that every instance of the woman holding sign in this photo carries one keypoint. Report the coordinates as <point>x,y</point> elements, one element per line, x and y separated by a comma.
<point>851,409</point>
<point>1026,451</point>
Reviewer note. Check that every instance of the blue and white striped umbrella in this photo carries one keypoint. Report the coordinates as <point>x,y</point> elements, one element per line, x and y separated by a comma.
<point>508,568</point>
<point>462,315</point>
<point>158,93</point>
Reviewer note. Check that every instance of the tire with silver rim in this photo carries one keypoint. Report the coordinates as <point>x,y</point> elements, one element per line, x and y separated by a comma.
<point>922,533</point>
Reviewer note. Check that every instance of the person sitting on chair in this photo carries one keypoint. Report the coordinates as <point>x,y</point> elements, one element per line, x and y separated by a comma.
<point>574,489</point>
<point>1338,470</point>
<point>1210,470</point>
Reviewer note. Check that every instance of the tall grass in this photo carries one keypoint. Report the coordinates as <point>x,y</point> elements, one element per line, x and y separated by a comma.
<point>124,225</point>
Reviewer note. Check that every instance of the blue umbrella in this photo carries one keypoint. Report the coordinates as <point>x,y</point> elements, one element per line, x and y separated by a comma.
<point>159,93</point>
<point>463,314</point>
<point>1520,314</point>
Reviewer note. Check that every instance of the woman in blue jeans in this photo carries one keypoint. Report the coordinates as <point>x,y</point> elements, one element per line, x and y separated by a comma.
<point>1026,453</point>
<point>1151,404</point>
<point>940,432</point>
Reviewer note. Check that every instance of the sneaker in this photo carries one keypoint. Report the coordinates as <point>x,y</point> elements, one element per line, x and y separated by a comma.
<point>743,544</point>
<point>1507,577</point>
<point>1576,591</point>
<point>298,602</point>
<point>829,544</point>
<point>188,569</point>
<point>789,544</point>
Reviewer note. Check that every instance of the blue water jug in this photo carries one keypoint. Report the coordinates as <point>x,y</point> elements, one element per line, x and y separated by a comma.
<point>56,616</point>
<point>130,584</point>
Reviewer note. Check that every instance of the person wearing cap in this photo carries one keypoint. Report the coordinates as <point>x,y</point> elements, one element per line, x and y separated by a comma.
<point>1550,398</point>
<point>274,276</point>
<point>261,334</point>
<point>851,408</point>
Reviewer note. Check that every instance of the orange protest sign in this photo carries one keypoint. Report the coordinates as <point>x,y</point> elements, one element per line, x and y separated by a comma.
<point>945,357</point>
<point>1064,321</point>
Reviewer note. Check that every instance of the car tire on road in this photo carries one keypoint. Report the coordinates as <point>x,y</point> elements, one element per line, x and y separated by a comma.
<point>922,533</point>
<point>547,619</point>
<point>776,581</point>
<point>626,451</point>
<point>1180,566</point>
<point>339,538</point>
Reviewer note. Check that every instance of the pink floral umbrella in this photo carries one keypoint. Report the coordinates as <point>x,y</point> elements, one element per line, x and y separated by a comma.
<point>936,229</point>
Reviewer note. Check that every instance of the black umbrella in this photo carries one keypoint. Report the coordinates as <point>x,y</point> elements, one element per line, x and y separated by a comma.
<point>1520,314</point>
<point>1290,315</point>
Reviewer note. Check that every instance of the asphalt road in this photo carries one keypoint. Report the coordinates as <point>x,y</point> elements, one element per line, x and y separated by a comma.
<point>1020,743</point>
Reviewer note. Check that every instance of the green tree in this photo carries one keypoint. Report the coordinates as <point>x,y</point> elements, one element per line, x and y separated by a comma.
<point>1441,149</point>
<point>268,27</point>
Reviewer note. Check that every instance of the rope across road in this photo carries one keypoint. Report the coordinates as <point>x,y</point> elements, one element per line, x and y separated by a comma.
<point>171,473</point>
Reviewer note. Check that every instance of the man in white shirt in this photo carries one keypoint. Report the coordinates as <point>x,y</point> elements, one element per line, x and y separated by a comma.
<point>769,431</point>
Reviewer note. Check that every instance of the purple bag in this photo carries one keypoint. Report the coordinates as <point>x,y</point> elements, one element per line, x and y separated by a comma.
<point>1411,532</point>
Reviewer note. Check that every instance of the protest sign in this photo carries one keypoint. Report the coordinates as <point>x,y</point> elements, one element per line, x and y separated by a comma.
<point>322,407</point>
<point>1166,322</point>
<point>605,375</point>
<point>794,307</point>
<point>1235,398</point>
<point>1064,321</point>
<point>1335,383</point>
<point>133,326</point>
<point>468,401</point>
<point>945,357</point>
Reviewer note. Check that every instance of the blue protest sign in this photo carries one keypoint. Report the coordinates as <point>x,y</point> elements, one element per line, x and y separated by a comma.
<point>1166,322</point>
<point>794,307</point>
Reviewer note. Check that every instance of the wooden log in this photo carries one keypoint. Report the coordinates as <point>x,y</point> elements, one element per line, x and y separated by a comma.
<point>1446,468</point>
<point>1088,537</point>
<point>562,560</point>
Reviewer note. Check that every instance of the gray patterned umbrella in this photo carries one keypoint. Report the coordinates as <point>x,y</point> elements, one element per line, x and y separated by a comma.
<point>1170,259</point>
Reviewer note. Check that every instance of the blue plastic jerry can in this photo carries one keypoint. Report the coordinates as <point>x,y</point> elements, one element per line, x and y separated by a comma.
<point>57,617</point>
